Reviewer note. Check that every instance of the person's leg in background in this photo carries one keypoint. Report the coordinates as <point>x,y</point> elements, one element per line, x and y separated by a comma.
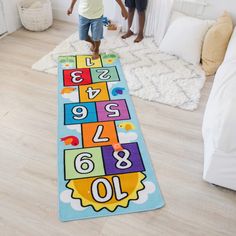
<point>141,6</point>
<point>131,9</point>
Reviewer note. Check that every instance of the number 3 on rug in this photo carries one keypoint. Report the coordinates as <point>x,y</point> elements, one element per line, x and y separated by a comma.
<point>76,77</point>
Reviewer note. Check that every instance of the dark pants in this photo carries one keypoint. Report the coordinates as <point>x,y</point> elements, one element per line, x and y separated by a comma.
<point>140,5</point>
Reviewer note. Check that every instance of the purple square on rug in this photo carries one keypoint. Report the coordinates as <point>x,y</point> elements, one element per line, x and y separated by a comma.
<point>128,160</point>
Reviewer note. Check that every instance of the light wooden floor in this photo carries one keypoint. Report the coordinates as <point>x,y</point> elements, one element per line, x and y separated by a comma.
<point>28,166</point>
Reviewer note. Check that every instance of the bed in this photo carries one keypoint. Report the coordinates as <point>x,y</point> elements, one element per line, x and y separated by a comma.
<point>219,124</point>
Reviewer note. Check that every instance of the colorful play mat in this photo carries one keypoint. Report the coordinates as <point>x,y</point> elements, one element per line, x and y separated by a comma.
<point>104,167</point>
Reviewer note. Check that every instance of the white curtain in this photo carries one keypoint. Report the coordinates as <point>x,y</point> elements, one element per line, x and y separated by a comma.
<point>2,20</point>
<point>157,18</point>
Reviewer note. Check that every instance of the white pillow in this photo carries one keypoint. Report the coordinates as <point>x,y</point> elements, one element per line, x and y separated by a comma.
<point>231,50</point>
<point>184,37</point>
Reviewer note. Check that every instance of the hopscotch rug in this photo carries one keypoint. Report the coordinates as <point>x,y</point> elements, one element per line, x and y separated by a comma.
<point>104,167</point>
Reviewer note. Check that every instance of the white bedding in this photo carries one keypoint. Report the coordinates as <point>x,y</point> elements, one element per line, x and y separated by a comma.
<point>231,50</point>
<point>219,129</point>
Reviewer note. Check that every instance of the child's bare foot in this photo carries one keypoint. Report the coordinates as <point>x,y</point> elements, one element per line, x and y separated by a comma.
<point>95,55</point>
<point>127,35</point>
<point>139,38</point>
<point>92,48</point>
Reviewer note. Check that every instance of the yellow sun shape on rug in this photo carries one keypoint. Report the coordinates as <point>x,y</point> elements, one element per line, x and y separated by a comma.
<point>108,191</point>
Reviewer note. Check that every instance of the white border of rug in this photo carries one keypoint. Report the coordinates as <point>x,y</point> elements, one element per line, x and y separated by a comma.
<point>151,74</point>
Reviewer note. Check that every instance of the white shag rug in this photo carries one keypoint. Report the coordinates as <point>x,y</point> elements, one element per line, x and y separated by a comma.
<point>151,74</point>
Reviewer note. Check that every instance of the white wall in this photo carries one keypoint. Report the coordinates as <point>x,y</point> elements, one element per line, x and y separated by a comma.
<point>215,8</point>
<point>208,9</point>
<point>59,10</point>
<point>60,7</point>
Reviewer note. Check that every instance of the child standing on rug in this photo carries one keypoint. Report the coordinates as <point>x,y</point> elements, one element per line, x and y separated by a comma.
<point>90,16</point>
<point>141,6</point>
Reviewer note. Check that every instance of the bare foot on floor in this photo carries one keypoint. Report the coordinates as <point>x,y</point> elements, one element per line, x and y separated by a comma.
<point>127,35</point>
<point>139,38</point>
<point>92,48</point>
<point>95,55</point>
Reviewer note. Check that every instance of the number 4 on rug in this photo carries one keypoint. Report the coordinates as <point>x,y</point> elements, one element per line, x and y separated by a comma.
<point>92,93</point>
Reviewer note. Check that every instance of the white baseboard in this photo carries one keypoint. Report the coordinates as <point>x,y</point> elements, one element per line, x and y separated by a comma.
<point>3,35</point>
<point>59,14</point>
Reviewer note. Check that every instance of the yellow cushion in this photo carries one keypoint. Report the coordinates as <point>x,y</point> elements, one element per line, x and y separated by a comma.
<point>215,44</point>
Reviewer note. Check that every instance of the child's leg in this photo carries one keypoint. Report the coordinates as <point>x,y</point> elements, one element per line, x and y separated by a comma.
<point>96,49</point>
<point>131,6</point>
<point>97,35</point>
<point>130,22</point>
<point>141,6</point>
<point>84,25</point>
<point>141,16</point>
<point>89,39</point>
